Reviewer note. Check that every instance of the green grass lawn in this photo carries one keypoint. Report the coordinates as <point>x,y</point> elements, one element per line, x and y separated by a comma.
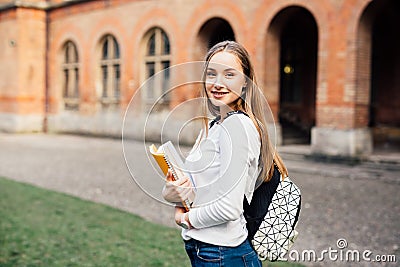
<point>44,228</point>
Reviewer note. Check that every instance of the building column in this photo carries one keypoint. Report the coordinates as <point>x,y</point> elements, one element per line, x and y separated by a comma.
<point>342,109</point>
<point>22,96</point>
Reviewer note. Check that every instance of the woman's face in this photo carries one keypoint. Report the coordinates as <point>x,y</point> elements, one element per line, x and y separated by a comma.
<point>224,79</point>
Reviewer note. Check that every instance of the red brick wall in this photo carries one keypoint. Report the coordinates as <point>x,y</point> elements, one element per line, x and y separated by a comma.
<point>9,65</point>
<point>341,97</point>
<point>23,76</point>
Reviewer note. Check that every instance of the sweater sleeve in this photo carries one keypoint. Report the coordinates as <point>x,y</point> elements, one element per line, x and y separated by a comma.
<point>229,188</point>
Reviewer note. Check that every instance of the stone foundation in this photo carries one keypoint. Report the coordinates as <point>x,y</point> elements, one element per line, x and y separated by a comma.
<point>353,143</point>
<point>14,123</point>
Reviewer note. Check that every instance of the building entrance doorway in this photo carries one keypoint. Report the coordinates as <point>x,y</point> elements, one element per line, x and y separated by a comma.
<point>298,46</point>
<point>379,41</point>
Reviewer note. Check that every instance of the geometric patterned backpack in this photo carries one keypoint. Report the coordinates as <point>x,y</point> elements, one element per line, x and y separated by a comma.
<point>272,217</point>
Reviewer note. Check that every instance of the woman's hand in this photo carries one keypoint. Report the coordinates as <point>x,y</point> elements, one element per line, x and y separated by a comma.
<point>177,191</point>
<point>181,214</point>
<point>179,211</point>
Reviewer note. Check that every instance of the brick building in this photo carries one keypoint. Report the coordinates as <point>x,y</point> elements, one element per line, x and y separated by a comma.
<point>330,69</point>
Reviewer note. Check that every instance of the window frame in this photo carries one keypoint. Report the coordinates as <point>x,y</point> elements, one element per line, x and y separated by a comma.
<point>110,71</point>
<point>70,73</point>
<point>161,57</point>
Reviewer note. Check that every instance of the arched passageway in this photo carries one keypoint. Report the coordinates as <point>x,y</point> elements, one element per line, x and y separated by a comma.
<point>213,31</point>
<point>294,33</point>
<point>378,71</point>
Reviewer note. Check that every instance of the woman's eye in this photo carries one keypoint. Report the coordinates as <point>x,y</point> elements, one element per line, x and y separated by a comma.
<point>229,74</point>
<point>210,74</point>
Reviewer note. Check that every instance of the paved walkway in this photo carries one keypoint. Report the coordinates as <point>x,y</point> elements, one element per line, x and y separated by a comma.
<point>359,203</point>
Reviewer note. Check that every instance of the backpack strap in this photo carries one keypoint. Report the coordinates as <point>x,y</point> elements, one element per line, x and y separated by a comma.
<point>214,121</point>
<point>279,170</point>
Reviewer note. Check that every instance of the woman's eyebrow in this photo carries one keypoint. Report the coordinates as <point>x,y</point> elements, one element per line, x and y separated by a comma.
<point>229,69</point>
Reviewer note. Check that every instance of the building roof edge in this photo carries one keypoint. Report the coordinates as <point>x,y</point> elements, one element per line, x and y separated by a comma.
<point>43,5</point>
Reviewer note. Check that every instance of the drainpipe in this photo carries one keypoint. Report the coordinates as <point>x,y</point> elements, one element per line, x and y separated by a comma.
<point>46,68</point>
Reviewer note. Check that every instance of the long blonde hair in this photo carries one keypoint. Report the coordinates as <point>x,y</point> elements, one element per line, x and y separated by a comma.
<point>252,103</point>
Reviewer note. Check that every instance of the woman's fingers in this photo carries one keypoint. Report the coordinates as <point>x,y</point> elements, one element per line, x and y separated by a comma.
<point>177,191</point>
<point>178,214</point>
<point>170,177</point>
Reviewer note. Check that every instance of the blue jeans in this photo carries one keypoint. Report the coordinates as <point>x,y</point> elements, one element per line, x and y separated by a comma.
<point>207,255</point>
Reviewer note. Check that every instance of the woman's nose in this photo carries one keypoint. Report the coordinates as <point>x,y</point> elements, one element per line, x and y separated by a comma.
<point>219,82</point>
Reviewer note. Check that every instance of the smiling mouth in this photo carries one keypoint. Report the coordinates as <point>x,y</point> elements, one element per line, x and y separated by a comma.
<point>217,93</point>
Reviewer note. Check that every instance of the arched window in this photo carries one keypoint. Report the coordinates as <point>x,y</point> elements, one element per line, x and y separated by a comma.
<point>70,69</point>
<point>157,58</point>
<point>110,70</point>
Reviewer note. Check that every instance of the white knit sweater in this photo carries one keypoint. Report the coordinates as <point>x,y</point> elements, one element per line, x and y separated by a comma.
<point>224,167</point>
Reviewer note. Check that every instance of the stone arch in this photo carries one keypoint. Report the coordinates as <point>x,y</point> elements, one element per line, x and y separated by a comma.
<point>213,31</point>
<point>207,12</point>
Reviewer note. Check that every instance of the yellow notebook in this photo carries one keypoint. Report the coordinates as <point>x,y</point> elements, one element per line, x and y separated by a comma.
<point>167,157</point>
<point>160,159</point>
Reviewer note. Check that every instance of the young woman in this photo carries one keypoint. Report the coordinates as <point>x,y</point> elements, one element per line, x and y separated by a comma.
<point>231,157</point>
